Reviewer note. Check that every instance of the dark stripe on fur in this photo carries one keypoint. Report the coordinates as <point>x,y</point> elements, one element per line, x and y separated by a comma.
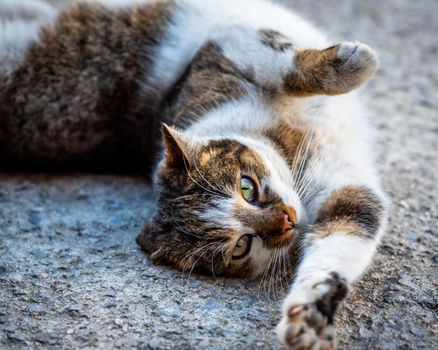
<point>210,81</point>
<point>275,40</point>
<point>358,206</point>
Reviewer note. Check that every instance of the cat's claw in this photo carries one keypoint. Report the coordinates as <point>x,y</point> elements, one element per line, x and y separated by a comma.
<point>309,326</point>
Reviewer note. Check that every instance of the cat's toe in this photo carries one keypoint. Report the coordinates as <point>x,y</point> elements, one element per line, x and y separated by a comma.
<point>306,328</point>
<point>359,58</point>
<point>310,325</point>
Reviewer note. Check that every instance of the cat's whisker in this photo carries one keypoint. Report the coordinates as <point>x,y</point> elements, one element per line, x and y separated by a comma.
<point>300,157</point>
<point>186,260</point>
<point>311,173</point>
<point>192,234</point>
<point>270,273</point>
<point>263,280</point>
<point>188,263</point>
<point>272,284</point>
<point>287,266</point>
<point>191,177</point>
<point>307,178</point>
<point>306,184</point>
<point>222,252</point>
<point>270,270</point>
<point>214,188</point>
<point>279,276</point>
<point>203,178</point>
<point>197,195</point>
<point>196,262</point>
<point>304,158</point>
<point>218,249</point>
<point>207,248</point>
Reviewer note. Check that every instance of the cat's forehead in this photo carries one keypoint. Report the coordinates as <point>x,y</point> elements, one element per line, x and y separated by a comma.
<point>227,153</point>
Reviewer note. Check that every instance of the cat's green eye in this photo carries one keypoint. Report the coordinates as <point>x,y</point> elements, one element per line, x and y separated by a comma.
<point>242,247</point>
<point>248,189</point>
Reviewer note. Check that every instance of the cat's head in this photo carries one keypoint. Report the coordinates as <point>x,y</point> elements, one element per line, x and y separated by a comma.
<point>225,207</point>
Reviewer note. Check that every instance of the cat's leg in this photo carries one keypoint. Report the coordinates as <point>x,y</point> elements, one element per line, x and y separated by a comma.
<point>336,252</point>
<point>335,70</point>
<point>273,62</point>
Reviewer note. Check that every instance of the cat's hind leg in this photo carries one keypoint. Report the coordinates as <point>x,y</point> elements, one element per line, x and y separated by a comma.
<point>336,252</point>
<point>332,71</point>
<point>274,63</point>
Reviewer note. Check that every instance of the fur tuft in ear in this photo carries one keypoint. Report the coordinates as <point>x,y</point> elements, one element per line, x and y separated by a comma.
<point>176,146</point>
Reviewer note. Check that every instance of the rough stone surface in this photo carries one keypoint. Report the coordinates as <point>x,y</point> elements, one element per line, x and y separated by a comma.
<point>71,275</point>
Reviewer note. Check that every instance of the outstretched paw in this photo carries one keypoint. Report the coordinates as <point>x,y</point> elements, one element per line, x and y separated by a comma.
<point>309,326</point>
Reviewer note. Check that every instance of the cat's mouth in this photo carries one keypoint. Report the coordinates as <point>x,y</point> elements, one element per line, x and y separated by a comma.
<point>281,241</point>
<point>286,238</point>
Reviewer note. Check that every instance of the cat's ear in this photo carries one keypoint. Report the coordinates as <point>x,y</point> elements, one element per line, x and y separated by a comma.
<point>148,242</point>
<point>177,147</point>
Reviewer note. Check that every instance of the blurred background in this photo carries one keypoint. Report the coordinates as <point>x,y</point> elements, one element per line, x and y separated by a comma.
<point>71,275</point>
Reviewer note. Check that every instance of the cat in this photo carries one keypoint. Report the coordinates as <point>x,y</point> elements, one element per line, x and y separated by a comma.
<point>244,115</point>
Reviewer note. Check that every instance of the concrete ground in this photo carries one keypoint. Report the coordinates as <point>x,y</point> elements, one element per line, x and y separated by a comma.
<point>71,275</point>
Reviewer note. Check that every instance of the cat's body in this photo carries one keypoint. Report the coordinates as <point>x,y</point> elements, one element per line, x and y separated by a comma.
<point>239,81</point>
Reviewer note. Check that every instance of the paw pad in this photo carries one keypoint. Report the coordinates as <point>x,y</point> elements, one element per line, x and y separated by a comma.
<point>309,326</point>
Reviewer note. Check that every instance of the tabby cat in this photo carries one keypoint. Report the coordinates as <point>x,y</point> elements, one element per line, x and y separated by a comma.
<point>239,110</point>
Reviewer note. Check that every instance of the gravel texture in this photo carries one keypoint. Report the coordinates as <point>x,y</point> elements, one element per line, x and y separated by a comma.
<point>71,275</point>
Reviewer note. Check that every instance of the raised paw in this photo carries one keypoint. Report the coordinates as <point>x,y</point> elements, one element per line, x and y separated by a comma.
<point>357,61</point>
<point>309,326</point>
<point>335,70</point>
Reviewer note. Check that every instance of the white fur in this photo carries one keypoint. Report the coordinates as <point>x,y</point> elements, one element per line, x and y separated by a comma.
<point>222,215</point>
<point>345,254</point>
<point>241,44</point>
<point>260,256</point>
<point>20,23</point>
<point>117,4</point>
<point>197,21</point>
<point>31,9</point>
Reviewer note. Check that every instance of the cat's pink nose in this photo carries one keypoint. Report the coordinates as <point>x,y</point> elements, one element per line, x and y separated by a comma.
<point>289,219</point>
<point>287,223</point>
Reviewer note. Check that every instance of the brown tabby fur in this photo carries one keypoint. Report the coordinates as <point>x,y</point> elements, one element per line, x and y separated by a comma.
<point>77,95</point>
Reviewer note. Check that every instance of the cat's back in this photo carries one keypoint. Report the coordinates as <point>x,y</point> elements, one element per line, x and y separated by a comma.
<point>80,78</point>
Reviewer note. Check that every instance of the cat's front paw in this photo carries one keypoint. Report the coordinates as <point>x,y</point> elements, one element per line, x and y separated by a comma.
<point>309,325</point>
<point>307,328</point>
